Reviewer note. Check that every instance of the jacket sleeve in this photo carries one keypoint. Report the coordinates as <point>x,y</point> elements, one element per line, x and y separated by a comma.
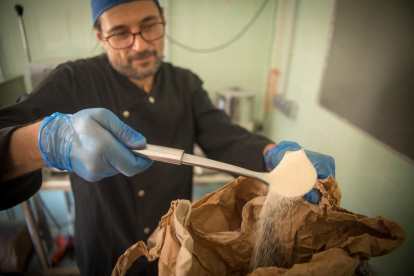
<point>220,139</point>
<point>51,95</point>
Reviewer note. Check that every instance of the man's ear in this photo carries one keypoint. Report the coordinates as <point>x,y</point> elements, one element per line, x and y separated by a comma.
<point>99,37</point>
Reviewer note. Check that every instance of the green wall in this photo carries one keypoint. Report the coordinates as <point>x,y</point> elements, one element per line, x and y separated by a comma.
<point>206,24</point>
<point>57,31</point>
<point>373,179</point>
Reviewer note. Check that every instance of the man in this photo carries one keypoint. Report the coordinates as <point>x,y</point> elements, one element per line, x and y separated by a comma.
<point>165,104</point>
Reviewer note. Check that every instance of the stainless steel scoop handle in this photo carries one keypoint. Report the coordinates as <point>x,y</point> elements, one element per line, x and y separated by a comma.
<point>178,157</point>
<point>163,154</point>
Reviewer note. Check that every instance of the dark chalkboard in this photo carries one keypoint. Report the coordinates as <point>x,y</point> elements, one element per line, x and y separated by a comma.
<point>369,76</point>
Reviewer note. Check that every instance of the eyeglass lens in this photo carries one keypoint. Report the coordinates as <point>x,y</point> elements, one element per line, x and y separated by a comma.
<point>125,39</point>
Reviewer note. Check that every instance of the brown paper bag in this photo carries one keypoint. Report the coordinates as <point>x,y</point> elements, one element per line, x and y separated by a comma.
<point>214,235</point>
<point>170,240</point>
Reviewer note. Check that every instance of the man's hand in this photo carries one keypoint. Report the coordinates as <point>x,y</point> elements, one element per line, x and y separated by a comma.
<point>93,143</point>
<point>324,164</point>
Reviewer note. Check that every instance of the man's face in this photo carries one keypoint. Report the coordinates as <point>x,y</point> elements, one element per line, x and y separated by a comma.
<point>142,59</point>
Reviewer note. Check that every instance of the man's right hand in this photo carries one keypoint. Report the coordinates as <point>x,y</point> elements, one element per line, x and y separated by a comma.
<point>93,143</point>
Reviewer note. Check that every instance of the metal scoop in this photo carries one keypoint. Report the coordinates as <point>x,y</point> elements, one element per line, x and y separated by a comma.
<point>178,157</point>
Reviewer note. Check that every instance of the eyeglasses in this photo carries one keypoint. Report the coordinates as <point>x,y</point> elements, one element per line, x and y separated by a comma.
<point>124,40</point>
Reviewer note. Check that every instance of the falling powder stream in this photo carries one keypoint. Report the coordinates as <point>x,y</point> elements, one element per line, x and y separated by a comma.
<point>294,176</point>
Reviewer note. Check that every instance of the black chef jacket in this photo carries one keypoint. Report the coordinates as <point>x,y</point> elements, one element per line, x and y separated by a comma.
<point>116,212</point>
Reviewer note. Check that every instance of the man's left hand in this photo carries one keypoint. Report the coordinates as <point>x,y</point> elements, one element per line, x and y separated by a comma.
<point>324,164</point>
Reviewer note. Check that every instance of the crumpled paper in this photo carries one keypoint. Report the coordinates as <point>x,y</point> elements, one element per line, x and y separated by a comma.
<point>215,235</point>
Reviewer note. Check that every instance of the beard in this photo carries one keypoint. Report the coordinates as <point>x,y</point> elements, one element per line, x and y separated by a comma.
<point>126,68</point>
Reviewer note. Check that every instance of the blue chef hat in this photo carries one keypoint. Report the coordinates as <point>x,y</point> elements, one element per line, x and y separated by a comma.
<point>99,6</point>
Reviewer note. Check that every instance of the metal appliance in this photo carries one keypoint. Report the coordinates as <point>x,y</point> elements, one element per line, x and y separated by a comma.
<point>237,103</point>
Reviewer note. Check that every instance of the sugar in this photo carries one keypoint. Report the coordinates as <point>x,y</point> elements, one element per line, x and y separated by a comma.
<point>272,231</point>
<point>293,177</point>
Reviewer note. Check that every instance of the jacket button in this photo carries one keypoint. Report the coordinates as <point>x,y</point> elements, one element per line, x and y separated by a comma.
<point>141,193</point>
<point>147,230</point>
<point>126,114</point>
<point>151,100</point>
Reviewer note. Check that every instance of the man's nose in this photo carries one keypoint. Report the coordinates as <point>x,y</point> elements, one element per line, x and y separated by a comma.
<point>139,44</point>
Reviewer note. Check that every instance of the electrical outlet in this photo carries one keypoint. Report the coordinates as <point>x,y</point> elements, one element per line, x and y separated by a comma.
<point>287,107</point>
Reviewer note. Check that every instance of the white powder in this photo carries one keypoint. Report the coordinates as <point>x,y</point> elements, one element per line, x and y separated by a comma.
<point>272,231</point>
<point>293,177</point>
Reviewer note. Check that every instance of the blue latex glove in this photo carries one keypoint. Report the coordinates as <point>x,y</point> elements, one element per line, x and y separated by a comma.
<point>324,164</point>
<point>93,143</point>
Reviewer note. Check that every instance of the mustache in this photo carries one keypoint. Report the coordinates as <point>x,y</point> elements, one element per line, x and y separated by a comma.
<point>141,55</point>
